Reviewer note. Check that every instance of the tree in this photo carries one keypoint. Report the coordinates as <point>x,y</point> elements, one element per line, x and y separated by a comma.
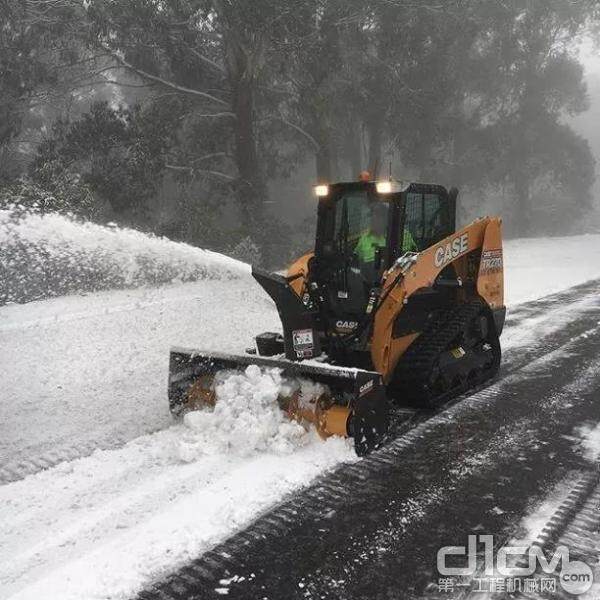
<point>211,54</point>
<point>118,153</point>
<point>43,63</point>
<point>522,138</point>
<point>208,101</point>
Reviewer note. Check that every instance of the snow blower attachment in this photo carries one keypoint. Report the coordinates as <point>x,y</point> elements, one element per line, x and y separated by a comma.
<point>351,404</point>
<point>393,304</point>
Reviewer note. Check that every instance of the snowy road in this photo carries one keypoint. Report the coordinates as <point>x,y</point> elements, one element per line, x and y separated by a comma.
<point>86,372</point>
<point>90,372</point>
<point>373,530</point>
<point>129,514</point>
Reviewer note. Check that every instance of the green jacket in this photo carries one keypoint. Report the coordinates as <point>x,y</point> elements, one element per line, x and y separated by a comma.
<point>369,242</point>
<point>408,242</point>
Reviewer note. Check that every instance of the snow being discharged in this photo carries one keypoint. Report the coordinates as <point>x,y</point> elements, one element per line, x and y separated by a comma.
<point>49,254</point>
<point>247,418</point>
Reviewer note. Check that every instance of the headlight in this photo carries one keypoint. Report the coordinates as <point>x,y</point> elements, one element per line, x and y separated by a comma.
<point>321,190</point>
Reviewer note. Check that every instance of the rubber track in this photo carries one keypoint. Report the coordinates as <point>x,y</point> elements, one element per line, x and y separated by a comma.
<point>417,363</point>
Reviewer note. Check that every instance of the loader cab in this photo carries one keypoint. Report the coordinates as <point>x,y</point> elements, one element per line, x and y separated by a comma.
<point>363,227</point>
<point>367,222</point>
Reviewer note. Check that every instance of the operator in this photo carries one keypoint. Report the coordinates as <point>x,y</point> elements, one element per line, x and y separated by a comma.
<point>408,242</point>
<point>374,237</point>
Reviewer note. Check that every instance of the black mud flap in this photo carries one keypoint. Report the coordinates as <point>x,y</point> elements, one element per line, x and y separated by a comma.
<point>362,390</point>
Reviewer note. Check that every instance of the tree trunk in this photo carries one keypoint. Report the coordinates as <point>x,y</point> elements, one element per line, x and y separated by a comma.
<point>352,150</point>
<point>323,164</point>
<point>375,132</point>
<point>251,190</point>
<point>241,63</point>
<point>323,156</point>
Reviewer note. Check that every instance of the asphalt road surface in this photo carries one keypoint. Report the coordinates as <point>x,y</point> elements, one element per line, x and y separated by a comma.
<point>373,529</point>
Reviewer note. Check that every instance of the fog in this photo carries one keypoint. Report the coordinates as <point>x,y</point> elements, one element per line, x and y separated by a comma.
<point>209,122</point>
<point>587,124</point>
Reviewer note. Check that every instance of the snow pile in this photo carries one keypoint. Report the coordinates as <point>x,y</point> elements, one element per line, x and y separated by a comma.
<point>46,255</point>
<point>247,418</point>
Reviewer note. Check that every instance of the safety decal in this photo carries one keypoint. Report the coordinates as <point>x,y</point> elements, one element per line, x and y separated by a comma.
<point>303,342</point>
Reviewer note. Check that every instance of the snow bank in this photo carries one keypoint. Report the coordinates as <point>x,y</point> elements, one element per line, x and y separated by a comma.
<point>46,255</point>
<point>247,417</point>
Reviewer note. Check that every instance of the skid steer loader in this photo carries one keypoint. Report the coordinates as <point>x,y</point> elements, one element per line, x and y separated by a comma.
<point>393,305</point>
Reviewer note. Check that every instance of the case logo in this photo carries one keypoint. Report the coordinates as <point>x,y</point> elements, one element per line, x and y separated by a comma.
<point>448,252</point>
<point>365,388</point>
<point>346,325</point>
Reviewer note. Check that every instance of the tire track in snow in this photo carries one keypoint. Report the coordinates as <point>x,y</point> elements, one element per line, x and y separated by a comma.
<point>352,523</point>
<point>139,503</point>
<point>564,308</point>
<point>99,380</point>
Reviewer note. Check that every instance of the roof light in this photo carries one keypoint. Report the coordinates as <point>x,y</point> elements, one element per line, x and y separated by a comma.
<point>321,190</point>
<point>384,187</point>
<point>391,187</point>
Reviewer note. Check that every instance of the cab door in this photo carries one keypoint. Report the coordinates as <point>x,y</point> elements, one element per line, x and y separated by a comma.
<point>428,216</point>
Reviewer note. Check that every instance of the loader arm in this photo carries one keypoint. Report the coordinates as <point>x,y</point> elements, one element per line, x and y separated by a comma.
<point>478,244</point>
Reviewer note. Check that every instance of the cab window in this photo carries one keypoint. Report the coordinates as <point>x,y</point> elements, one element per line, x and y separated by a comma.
<point>352,216</point>
<point>360,223</point>
<point>425,219</point>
